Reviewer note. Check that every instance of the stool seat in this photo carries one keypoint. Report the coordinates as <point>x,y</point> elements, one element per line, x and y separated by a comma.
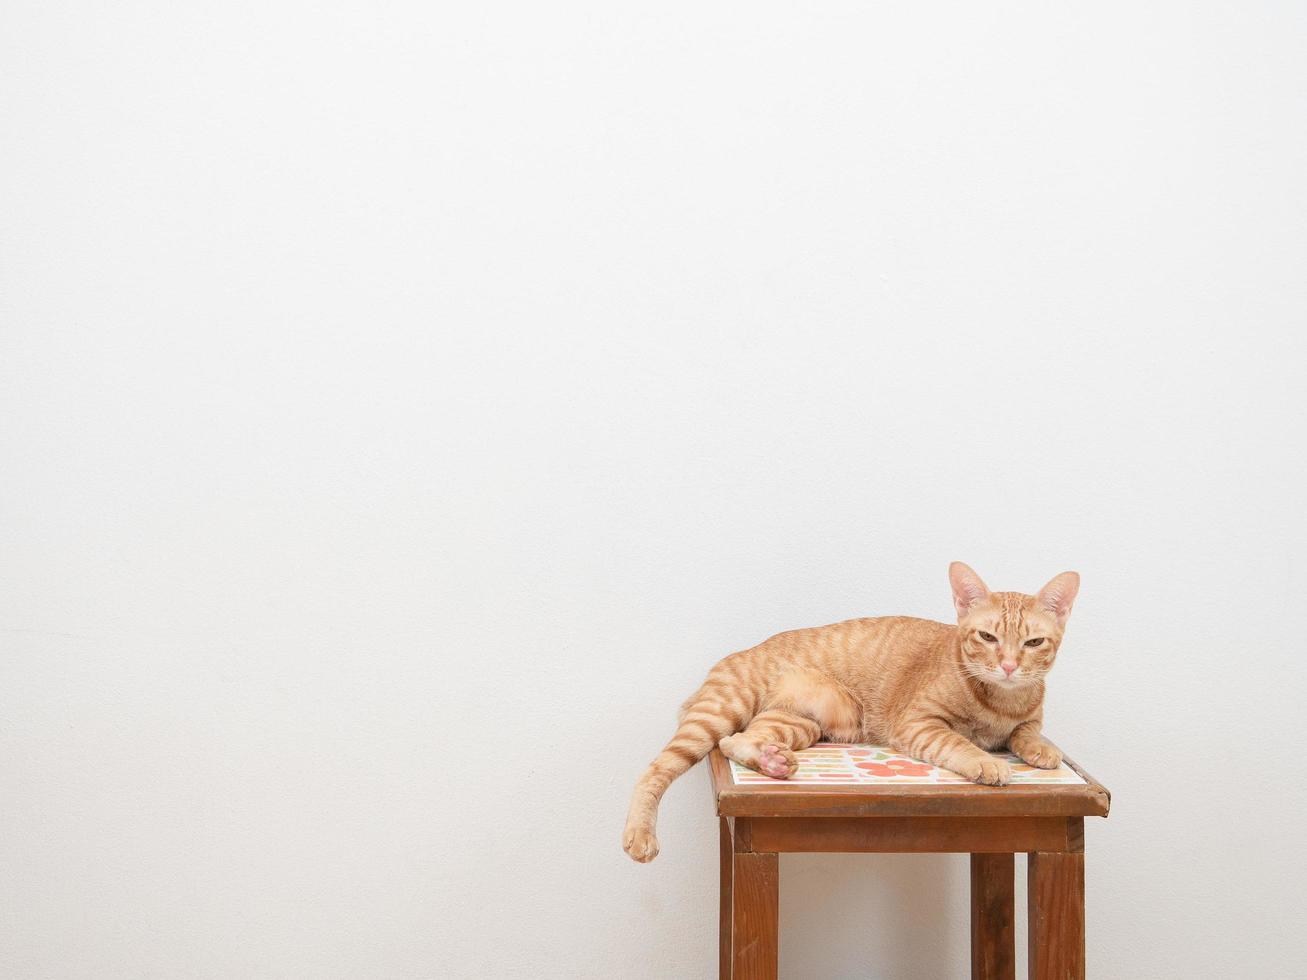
<point>868,798</point>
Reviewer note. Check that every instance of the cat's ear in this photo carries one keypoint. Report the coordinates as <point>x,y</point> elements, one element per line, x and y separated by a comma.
<point>968,589</point>
<point>1058,595</point>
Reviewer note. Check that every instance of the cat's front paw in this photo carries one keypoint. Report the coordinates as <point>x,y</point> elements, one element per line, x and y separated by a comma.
<point>990,772</point>
<point>1040,754</point>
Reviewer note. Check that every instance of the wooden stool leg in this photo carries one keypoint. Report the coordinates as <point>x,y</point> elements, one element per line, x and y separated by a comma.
<point>1056,892</point>
<point>755,908</point>
<point>724,918</point>
<point>993,927</point>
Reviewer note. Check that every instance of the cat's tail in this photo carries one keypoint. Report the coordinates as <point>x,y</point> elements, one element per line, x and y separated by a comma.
<point>706,718</point>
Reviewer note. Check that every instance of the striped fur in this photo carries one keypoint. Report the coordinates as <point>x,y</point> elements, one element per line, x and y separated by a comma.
<point>934,691</point>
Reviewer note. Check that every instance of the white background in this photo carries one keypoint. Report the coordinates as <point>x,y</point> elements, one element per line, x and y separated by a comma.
<point>405,404</point>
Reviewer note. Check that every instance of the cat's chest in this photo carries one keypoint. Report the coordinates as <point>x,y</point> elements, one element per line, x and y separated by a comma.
<point>988,735</point>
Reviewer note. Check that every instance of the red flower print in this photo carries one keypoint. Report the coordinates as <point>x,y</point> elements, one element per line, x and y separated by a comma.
<point>896,767</point>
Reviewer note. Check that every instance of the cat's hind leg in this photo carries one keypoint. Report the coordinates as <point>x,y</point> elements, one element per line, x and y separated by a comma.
<point>769,743</point>
<point>799,708</point>
<point>720,707</point>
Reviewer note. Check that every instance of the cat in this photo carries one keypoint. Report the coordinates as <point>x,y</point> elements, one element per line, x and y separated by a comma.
<point>941,693</point>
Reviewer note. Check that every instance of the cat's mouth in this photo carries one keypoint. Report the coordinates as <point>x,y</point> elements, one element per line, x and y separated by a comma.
<point>1008,681</point>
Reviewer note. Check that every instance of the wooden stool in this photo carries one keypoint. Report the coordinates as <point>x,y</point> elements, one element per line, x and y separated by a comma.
<point>759,820</point>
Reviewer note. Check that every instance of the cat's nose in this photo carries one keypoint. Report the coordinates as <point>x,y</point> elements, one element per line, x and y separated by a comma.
<point>1008,668</point>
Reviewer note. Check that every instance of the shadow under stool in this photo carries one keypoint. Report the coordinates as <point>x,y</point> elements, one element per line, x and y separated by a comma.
<point>761,819</point>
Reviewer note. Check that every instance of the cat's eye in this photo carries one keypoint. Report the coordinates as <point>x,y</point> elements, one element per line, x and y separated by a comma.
<point>987,637</point>
<point>1035,642</point>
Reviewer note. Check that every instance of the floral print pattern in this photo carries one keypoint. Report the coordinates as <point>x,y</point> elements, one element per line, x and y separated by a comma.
<point>838,763</point>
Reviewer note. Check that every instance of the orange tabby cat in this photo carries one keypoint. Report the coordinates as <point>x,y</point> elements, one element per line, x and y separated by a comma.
<point>940,693</point>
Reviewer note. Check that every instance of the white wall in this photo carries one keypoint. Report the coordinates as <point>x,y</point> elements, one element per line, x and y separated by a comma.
<point>404,405</point>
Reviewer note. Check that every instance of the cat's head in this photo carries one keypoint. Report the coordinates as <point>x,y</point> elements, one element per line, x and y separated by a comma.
<point>1010,639</point>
